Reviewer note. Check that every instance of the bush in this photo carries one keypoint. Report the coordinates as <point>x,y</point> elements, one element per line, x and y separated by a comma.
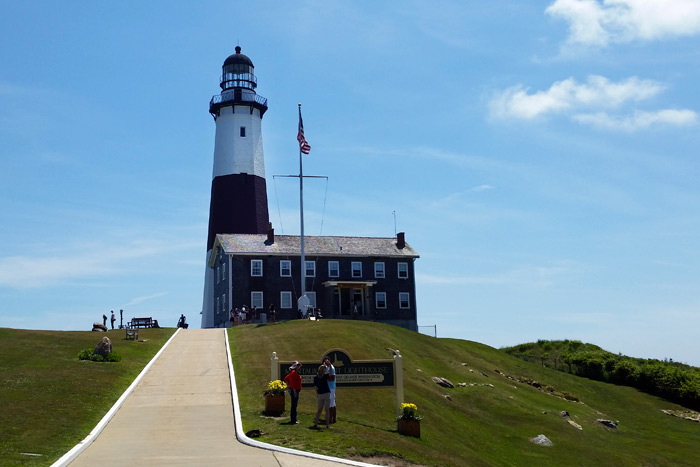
<point>88,354</point>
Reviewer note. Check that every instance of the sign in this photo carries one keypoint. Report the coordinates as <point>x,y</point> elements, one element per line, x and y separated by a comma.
<point>349,373</point>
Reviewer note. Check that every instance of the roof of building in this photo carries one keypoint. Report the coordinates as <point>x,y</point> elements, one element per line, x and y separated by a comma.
<point>289,245</point>
<point>238,57</point>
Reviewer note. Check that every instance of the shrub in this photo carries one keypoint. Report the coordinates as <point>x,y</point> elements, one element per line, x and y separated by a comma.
<point>87,354</point>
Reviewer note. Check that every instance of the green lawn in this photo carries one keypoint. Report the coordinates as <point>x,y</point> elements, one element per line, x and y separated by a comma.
<point>50,399</point>
<point>489,423</point>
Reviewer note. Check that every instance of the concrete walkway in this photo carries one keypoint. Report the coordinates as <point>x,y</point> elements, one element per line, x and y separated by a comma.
<point>181,413</point>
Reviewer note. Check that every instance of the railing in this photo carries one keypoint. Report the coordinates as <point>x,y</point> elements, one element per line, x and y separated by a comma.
<point>233,96</point>
<point>426,330</point>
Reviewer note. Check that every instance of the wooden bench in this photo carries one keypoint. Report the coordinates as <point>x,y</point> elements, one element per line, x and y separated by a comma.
<point>141,323</point>
<point>132,333</point>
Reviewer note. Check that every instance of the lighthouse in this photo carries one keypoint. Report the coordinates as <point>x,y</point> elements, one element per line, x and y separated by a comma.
<point>238,189</point>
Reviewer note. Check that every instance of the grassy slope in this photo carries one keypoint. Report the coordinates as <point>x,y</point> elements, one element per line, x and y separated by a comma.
<point>50,399</point>
<point>480,425</point>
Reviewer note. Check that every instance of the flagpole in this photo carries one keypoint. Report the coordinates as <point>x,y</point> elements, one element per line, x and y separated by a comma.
<point>301,213</point>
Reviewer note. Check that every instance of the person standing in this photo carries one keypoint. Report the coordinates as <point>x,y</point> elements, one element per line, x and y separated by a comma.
<point>323,395</point>
<point>293,381</point>
<point>330,371</point>
<point>271,313</point>
<point>104,321</point>
<point>114,318</point>
<point>232,317</point>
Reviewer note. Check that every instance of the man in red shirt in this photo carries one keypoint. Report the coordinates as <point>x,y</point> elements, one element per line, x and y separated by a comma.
<point>293,381</point>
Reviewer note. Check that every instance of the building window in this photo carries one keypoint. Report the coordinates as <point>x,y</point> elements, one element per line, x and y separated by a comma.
<point>256,268</point>
<point>218,304</point>
<point>256,299</point>
<point>311,269</point>
<point>403,270</point>
<point>380,299</point>
<point>404,300</point>
<point>285,299</point>
<point>285,268</point>
<point>242,132</point>
<point>356,269</point>
<point>223,303</point>
<point>312,298</point>
<point>333,269</point>
<point>379,270</point>
<point>218,274</point>
<point>223,271</point>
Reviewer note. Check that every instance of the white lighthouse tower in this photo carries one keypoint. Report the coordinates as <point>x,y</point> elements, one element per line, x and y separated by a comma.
<point>238,188</point>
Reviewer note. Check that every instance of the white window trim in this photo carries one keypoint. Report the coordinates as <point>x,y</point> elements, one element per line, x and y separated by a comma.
<point>383,271</point>
<point>352,268</point>
<point>376,300</point>
<point>337,269</point>
<point>408,300</point>
<point>253,302</point>
<point>306,268</point>
<point>312,298</point>
<point>398,271</point>
<point>289,272</point>
<point>252,262</point>
<point>290,302</point>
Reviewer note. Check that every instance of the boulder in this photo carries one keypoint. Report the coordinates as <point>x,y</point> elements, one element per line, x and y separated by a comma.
<point>99,327</point>
<point>608,423</point>
<point>444,382</point>
<point>542,440</point>
<point>103,347</point>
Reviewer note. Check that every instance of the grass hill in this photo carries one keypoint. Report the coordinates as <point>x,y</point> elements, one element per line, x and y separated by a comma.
<point>51,400</point>
<point>490,421</point>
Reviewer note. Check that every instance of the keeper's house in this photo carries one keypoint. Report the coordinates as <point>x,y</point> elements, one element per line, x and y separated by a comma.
<point>346,277</point>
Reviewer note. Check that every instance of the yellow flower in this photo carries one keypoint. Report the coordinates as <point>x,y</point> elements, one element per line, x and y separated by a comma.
<point>275,388</point>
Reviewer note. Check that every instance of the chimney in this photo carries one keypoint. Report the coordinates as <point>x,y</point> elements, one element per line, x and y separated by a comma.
<point>270,235</point>
<point>400,240</point>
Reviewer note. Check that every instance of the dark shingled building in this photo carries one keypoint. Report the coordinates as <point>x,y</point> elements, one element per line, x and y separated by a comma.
<point>362,278</point>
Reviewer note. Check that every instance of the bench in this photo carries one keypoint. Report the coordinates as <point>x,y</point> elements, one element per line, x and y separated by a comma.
<point>132,333</point>
<point>141,323</point>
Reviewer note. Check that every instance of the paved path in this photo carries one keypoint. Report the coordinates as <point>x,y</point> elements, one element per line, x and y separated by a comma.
<point>181,413</point>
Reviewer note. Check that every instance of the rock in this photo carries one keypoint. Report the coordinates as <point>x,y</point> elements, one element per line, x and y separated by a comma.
<point>447,396</point>
<point>103,347</point>
<point>484,374</point>
<point>99,327</point>
<point>564,413</point>
<point>465,364</point>
<point>253,433</point>
<point>542,440</point>
<point>462,385</point>
<point>574,424</point>
<point>608,423</point>
<point>444,382</point>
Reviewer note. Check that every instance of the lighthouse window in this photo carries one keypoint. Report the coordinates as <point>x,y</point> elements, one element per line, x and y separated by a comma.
<point>242,132</point>
<point>256,268</point>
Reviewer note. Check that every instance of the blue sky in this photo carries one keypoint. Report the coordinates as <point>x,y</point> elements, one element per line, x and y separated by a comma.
<point>542,157</point>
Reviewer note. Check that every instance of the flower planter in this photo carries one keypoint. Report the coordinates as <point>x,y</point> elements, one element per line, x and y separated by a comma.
<point>274,405</point>
<point>408,427</point>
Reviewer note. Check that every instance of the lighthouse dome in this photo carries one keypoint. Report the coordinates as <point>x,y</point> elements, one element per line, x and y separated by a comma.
<point>237,72</point>
<point>237,58</point>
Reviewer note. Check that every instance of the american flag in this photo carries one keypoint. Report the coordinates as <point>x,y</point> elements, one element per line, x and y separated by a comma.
<point>304,146</point>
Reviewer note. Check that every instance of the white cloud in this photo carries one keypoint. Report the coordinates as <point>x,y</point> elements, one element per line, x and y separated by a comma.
<point>86,262</point>
<point>516,102</point>
<point>596,23</point>
<point>640,120</point>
